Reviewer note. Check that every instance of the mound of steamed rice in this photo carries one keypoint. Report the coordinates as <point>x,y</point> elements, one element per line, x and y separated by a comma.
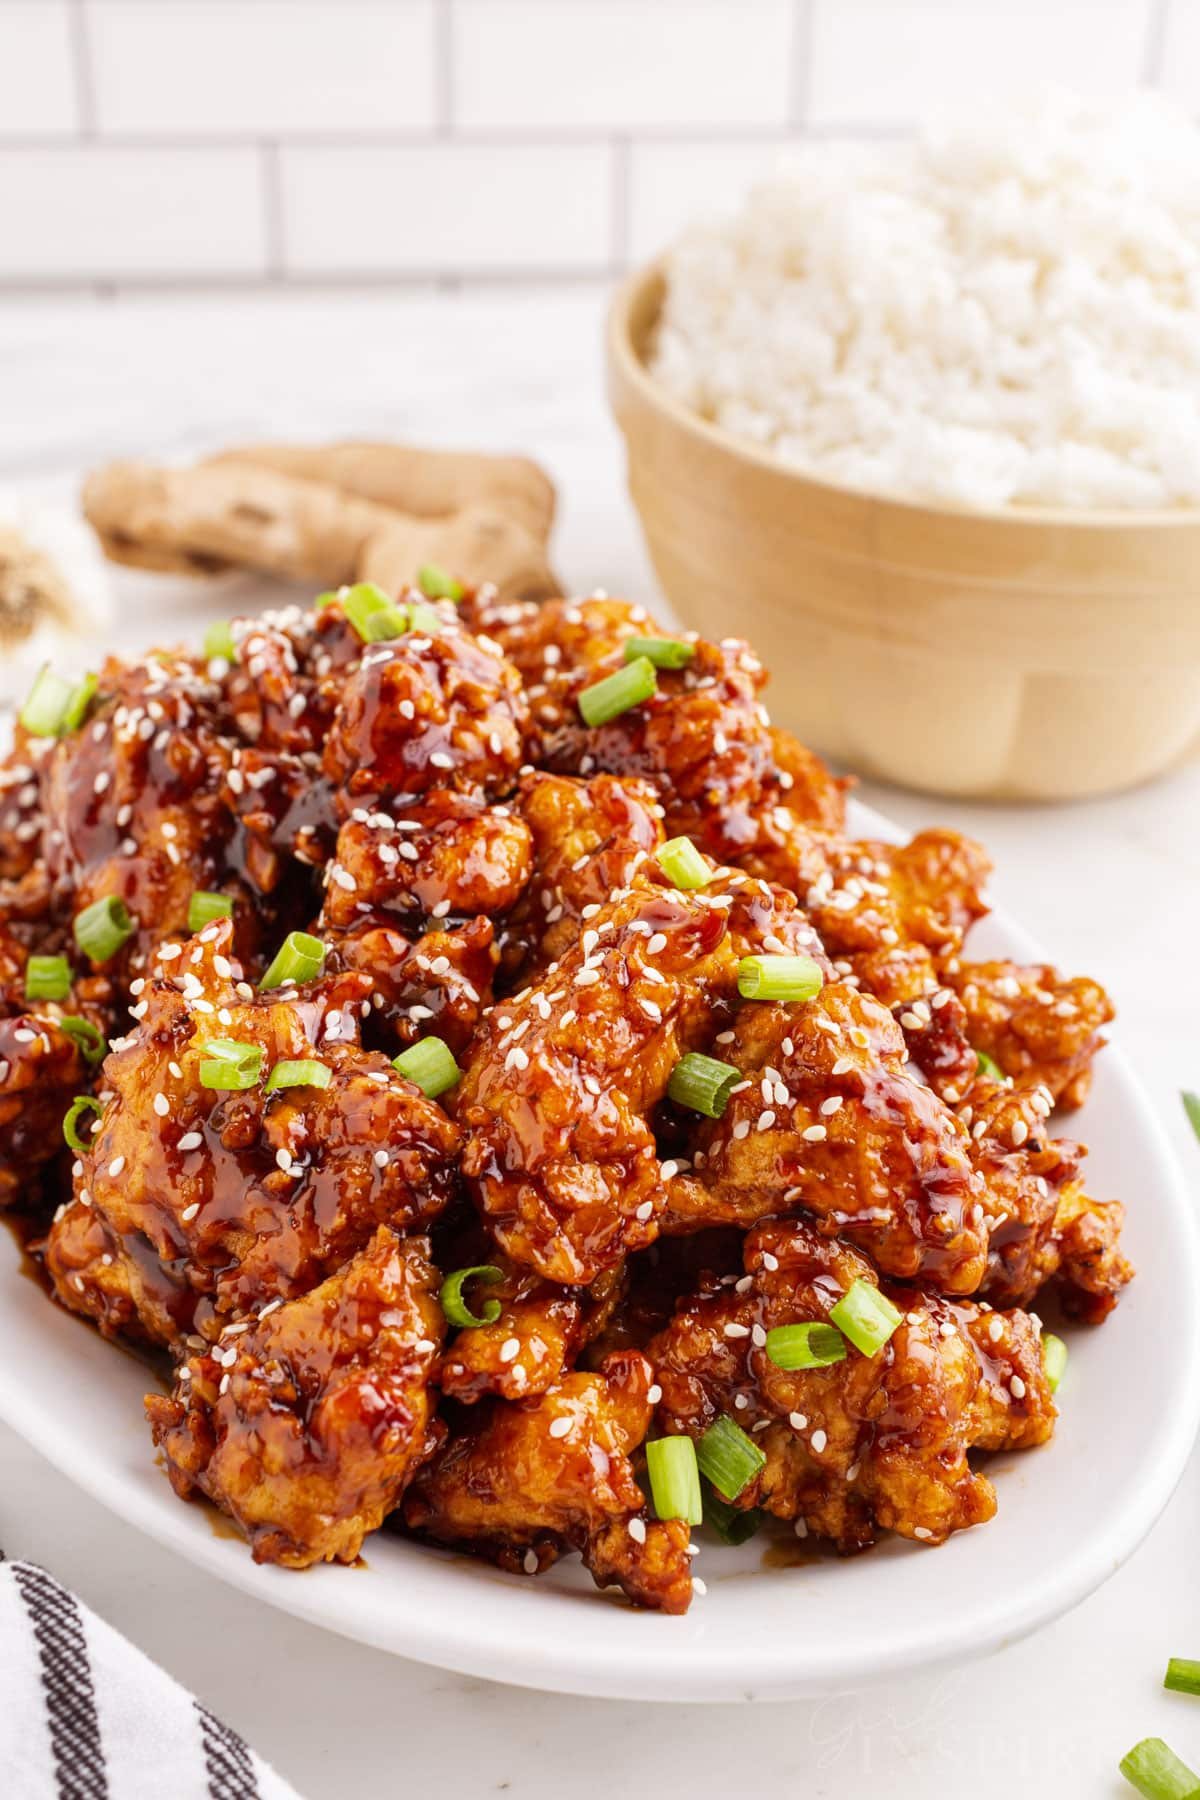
<point>1005,313</point>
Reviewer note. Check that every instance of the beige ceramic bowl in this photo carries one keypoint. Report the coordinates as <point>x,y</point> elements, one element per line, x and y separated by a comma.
<point>1012,654</point>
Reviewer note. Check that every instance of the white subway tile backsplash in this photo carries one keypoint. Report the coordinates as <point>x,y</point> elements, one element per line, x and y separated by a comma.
<point>446,208</point>
<point>670,185</point>
<point>880,62</point>
<point>95,212</point>
<point>1181,52</point>
<point>575,64</point>
<point>37,79</point>
<point>260,67</point>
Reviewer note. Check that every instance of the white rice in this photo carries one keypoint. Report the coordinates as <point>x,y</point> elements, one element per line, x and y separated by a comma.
<point>1004,313</point>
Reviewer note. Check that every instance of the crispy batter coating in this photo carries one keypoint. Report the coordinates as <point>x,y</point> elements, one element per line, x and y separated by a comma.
<point>218,1202</point>
<point>828,1122</point>
<point>439,983</point>
<point>1035,1025</point>
<point>540,1330</point>
<point>306,1424</point>
<point>450,855</point>
<point>931,1015</point>
<point>41,1071</point>
<point>872,1442</point>
<point>524,1481</point>
<point>21,822</point>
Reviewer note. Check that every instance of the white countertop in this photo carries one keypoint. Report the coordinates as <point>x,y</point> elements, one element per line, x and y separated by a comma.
<point>1111,888</point>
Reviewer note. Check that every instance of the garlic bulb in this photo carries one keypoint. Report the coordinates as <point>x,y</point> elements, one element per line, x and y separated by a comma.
<point>55,603</point>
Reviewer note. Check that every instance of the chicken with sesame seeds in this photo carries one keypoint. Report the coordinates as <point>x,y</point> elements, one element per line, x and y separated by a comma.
<point>931,1016</point>
<point>307,1423</point>
<point>534,1338</point>
<point>870,1442</point>
<point>1035,1025</point>
<point>220,1194</point>
<point>524,1481</point>
<point>21,822</point>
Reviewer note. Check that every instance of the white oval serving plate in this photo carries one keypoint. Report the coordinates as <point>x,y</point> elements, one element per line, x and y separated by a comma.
<point>1069,1514</point>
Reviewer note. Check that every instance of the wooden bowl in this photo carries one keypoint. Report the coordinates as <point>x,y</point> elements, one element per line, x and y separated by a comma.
<point>1010,654</point>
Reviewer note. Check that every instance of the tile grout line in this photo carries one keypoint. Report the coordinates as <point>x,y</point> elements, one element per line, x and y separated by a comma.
<point>272,210</point>
<point>443,68</point>
<point>1156,41</point>
<point>81,68</point>
<point>619,200</point>
<point>800,64</point>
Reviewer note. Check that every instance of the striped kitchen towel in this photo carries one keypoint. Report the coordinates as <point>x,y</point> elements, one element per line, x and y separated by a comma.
<point>85,1716</point>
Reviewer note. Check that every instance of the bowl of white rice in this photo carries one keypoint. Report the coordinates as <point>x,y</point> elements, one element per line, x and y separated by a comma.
<point>923,421</point>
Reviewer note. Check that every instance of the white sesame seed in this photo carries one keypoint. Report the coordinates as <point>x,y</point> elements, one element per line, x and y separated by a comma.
<point>509,1348</point>
<point>162,1105</point>
<point>922,1531</point>
<point>654,1394</point>
<point>644,1211</point>
<point>814,1133</point>
<point>798,1421</point>
<point>832,1105</point>
<point>559,1427</point>
<point>116,1165</point>
<point>189,1212</point>
<point>1017,1388</point>
<point>637,1530</point>
<point>734,1330</point>
<point>191,1140</point>
<point>529,1562</point>
<point>758,1337</point>
<point>818,1440</point>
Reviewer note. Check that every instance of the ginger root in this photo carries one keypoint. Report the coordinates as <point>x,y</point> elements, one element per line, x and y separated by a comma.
<point>481,518</point>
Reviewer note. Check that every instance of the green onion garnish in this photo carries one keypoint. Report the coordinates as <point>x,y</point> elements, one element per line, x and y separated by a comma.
<point>102,927</point>
<point>430,1065</point>
<point>204,907</point>
<point>865,1316</point>
<point>434,582</point>
<point>1054,1356</point>
<point>609,698</point>
<point>1191,1106</point>
<point>219,644</point>
<point>664,653</point>
<point>778,978</point>
<point>305,1072</point>
<point>455,1307</point>
<point>47,978</point>
<point>703,1084</point>
<point>422,618</point>
<point>230,1065</point>
<point>300,957</point>
<point>372,613</point>
<point>46,706</point>
<point>82,1103</point>
<point>1153,1768</point>
<point>674,1478</point>
<point>805,1346</point>
<point>731,1524</point>
<point>89,1037</point>
<point>984,1065</point>
<point>82,695</point>
<point>1182,1676</point>
<point>683,865</point>
<point>728,1457</point>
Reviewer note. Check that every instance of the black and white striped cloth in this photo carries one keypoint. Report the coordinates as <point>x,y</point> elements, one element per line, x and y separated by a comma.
<point>85,1716</point>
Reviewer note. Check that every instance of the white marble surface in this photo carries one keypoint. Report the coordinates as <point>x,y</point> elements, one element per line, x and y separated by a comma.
<point>1112,887</point>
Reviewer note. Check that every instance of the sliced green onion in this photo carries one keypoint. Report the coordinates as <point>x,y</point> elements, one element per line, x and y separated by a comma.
<point>805,1346</point>
<point>430,1065</point>
<point>779,978</point>
<point>46,706</point>
<point>306,1072</point>
<point>82,695</point>
<point>865,1316</point>
<point>89,1037</point>
<point>674,1478</point>
<point>1153,1768</point>
<point>372,613</point>
<point>82,1103</point>
<point>230,1065</point>
<point>1191,1106</point>
<point>101,928</point>
<point>731,1524</point>
<point>1182,1676</point>
<point>683,865</point>
<point>609,698</point>
<point>437,584</point>
<point>984,1065</point>
<point>455,1307</point>
<point>422,618</point>
<point>664,653</point>
<point>218,642</point>
<point>702,1083</point>
<point>728,1457</point>
<point>47,978</point>
<point>1054,1356</point>
<point>204,907</point>
<point>300,957</point>
<point>327,598</point>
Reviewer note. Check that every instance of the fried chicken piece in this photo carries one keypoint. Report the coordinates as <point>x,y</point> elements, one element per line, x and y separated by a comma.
<point>527,1480</point>
<point>422,712</point>
<point>1041,1224</point>
<point>828,1122</point>
<point>42,1068</point>
<point>440,983</point>
<point>1035,1025</point>
<point>220,1201</point>
<point>872,1442</point>
<point>931,1015</point>
<point>306,1425</point>
<point>539,1331</point>
<point>21,822</point>
<point>589,839</point>
<point>448,855</point>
